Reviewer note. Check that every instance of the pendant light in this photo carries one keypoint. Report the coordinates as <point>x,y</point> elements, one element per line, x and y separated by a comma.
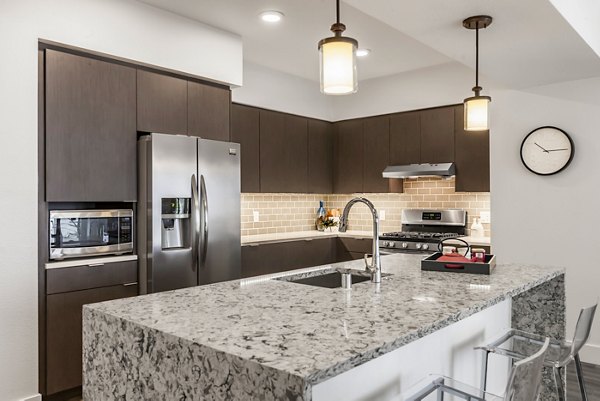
<point>477,107</point>
<point>338,60</point>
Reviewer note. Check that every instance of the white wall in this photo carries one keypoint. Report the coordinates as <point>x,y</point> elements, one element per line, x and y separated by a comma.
<point>124,28</point>
<point>440,85</point>
<point>275,90</point>
<point>549,220</point>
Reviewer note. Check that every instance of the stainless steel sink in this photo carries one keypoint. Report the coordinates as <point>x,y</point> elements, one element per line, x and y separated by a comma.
<point>334,279</point>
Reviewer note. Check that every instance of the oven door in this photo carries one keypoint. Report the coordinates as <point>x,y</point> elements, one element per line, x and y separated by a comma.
<point>75,233</point>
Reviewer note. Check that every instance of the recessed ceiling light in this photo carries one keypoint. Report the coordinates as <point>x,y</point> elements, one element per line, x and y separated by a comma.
<point>363,52</point>
<point>271,16</point>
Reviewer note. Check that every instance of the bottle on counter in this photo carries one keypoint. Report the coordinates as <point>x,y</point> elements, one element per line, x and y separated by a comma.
<point>321,216</point>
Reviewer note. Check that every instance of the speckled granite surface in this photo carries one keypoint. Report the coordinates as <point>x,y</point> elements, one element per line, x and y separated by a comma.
<point>246,339</point>
<point>541,310</point>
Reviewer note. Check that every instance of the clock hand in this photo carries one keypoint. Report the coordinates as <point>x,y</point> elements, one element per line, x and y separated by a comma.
<point>555,150</point>
<point>541,147</point>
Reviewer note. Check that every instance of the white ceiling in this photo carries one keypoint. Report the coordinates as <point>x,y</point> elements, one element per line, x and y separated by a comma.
<point>291,46</point>
<point>529,43</point>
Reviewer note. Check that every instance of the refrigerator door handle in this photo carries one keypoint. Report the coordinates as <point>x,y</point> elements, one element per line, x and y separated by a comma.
<point>195,222</point>
<point>204,219</point>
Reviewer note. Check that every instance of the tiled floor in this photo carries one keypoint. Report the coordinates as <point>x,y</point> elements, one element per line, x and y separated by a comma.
<point>591,374</point>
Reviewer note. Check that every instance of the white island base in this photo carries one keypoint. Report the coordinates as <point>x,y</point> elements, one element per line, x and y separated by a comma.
<point>448,352</point>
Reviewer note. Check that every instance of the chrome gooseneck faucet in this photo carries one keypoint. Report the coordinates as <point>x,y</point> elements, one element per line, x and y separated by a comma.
<point>375,267</point>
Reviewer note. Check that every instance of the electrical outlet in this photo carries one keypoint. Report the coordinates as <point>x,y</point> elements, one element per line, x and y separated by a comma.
<point>485,216</point>
<point>256,216</point>
<point>382,215</point>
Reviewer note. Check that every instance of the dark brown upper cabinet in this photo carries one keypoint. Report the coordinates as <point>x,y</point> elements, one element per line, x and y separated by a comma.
<point>245,130</point>
<point>90,130</point>
<point>283,152</point>
<point>376,153</point>
<point>161,103</point>
<point>472,156</point>
<point>208,111</point>
<point>320,157</point>
<point>348,157</point>
<point>437,135</point>
<point>405,138</point>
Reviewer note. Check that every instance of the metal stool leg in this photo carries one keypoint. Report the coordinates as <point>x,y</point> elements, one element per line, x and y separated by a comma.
<point>484,370</point>
<point>579,371</point>
<point>560,388</point>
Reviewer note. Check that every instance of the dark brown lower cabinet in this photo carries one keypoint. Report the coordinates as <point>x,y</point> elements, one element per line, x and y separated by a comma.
<point>348,248</point>
<point>283,256</point>
<point>66,291</point>
<point>63,332</point>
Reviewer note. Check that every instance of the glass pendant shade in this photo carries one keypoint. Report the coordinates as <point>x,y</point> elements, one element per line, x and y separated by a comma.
<point>338,66</point>
<point>477,113</point>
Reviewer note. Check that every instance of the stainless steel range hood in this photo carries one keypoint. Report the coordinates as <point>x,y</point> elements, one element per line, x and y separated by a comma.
<point>420,170</point>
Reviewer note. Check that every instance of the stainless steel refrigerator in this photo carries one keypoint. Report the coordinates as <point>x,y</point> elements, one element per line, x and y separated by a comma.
<point>188,212</point>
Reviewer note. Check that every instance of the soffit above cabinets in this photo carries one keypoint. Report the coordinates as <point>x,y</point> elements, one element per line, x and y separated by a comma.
<point>291,45</point>
<point>530,43</point>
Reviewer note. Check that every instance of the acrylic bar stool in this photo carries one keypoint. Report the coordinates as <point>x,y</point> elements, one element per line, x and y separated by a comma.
<point>523,383</point>
<point>517,345</point>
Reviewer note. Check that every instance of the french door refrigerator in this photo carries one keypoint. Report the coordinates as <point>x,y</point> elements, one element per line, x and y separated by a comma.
<point>188,212</point>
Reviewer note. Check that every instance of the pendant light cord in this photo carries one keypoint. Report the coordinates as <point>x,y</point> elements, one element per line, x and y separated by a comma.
<point>477,57</point>
<point>337,11</point>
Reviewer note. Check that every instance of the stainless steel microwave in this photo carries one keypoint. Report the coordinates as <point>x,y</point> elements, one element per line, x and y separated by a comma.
<point>77,233</point>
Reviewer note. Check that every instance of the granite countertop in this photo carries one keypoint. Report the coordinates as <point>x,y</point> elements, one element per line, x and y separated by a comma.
<point>299,235</point>
<point>317,333</point>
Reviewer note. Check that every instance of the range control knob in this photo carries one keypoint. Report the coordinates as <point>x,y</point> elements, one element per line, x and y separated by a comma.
<point>418,246</point>
<point>391,244</point>
<point>425,247</point>
<point>404,245</point>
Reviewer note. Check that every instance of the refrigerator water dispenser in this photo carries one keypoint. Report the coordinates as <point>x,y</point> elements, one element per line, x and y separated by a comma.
<point>175,223</point>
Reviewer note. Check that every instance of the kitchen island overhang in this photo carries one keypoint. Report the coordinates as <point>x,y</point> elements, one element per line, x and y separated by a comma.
<point>271,339</point>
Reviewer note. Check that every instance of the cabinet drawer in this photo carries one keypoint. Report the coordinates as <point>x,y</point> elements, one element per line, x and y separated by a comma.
<point>90,276</point>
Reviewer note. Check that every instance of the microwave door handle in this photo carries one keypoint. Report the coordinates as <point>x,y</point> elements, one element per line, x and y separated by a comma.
<point>204,219</point>
<point>195,222</point>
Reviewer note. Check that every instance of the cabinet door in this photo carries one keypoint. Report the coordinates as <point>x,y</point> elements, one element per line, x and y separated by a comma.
<point>161,103</point>
<point>405,138</point>
<point>283,152</point>
<point>320,157</point>
<point>377,156</point>
<point>90,130</point>
<point>283,256</point>
<point>245,131</point>
<point>349,157</point>
<point>437,135</point>
<point>208,111</point>
<point>472,150</point>
<point>63,333</point>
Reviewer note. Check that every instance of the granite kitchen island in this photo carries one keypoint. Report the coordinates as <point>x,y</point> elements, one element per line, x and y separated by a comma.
<point>270,339</point>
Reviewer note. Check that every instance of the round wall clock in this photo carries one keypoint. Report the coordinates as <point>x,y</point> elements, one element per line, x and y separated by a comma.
<point>547,150</point>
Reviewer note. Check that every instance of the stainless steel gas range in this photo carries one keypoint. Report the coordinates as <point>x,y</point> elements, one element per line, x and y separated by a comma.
<point>422,230</point>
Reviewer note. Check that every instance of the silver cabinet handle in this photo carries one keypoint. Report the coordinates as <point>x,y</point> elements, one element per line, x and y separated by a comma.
<point>204,201</point>
<point>129,284</point>
<point>195,222</point>
<point>95,264</point>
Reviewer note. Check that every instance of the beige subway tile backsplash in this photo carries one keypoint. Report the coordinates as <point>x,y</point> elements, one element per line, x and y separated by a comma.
<point>296,212</point>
